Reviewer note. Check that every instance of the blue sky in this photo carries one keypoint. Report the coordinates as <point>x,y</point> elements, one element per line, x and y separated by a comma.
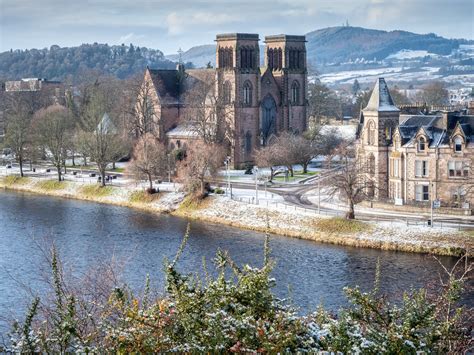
<point>171,24</point>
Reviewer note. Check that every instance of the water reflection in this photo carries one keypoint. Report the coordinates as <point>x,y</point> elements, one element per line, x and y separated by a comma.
<point>88,233</point>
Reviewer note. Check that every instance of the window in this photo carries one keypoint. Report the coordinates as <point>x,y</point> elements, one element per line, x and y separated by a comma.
<point>421,144</point>
<point>227,93</point>
<point>422,193</point>
<point>458,169</point>
<point>226,58</point>
<point>395,167</point>
<point>371,133</point>
<point>248,93</point>
<point>388,133</point>
<point>458,144</point>
<point>421,168</point>
<point>371,164</point>
<point>295,92</point>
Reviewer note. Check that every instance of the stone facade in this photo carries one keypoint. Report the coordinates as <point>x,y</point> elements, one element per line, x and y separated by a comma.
<point>262,101</point>
<point>417,158</point>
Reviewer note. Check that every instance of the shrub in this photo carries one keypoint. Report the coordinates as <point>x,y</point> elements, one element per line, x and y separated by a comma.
<point>219,191</point>
<point>236,311</point>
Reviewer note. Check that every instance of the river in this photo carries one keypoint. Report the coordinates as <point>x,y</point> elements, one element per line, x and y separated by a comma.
<point>88,233</point>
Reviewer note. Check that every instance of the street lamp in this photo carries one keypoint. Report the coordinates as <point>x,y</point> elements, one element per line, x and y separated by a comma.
<point>227,165</point>
<point>255,170</point>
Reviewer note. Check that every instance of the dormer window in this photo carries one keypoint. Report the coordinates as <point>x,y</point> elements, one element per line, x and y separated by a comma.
<point>421,144</point>
<point>458,144</point>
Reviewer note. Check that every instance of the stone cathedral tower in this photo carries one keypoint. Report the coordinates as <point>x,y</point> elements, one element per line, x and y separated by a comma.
<point>285,57</point>
<point>238,81</point>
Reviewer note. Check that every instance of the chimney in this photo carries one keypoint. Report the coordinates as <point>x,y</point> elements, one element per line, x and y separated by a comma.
<point>470,108</point>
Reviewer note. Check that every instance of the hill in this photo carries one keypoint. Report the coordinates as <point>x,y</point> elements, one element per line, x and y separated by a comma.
<point>57,63</point>
<point>342,44</point>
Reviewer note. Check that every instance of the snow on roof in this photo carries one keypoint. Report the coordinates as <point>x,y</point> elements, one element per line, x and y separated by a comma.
<point>381,100</point>
<point>182,130</point>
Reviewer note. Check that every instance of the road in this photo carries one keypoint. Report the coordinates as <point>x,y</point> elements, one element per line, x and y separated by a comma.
<point>297,195</point>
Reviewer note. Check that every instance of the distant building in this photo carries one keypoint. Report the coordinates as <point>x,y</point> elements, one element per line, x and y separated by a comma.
<point>416,158</point>
<point>263,101</point>
<point>30,84</point>
<point>42,91</point>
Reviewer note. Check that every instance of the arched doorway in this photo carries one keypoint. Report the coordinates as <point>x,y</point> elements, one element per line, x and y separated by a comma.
<point>268,119</point>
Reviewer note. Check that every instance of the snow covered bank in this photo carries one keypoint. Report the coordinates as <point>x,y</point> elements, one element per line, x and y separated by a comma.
<point>304,224</point>
<point>292,222</point>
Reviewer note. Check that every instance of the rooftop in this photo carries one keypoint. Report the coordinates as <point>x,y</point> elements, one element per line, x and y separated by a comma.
<point>381,100</point>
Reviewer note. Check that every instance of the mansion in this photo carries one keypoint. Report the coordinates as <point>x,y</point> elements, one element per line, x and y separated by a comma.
<point>256,102</point>
<point>416,158</point>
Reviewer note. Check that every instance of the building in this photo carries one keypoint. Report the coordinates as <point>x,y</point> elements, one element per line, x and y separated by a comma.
<point>38,92</point>
<point>416,158</point>
<point>257,102</point>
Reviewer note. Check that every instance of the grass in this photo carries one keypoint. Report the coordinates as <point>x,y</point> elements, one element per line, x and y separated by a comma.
<point>298,175</point>
<point>96,190</point>
<point>117,170</point>
<point>51,185</point>
<point>341,225</point>
<point>194,202</point>
<point>142,197</point>
<point>15,180</point>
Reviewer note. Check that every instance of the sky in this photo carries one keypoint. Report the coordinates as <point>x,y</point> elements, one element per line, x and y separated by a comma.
<point>172,24</point>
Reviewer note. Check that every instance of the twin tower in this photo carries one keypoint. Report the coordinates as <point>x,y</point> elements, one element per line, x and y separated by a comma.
<point>269,99</point>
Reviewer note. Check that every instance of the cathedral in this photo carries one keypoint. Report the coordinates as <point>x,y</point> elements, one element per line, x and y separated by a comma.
<point>263,100</point>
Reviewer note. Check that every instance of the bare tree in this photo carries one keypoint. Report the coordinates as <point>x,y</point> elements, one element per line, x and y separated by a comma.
<point>268,156</point>
<point>208,114</point>
<point>52,129</point>
<point>139,106</point>
<point>202,162</point>
<point>149,159</point>
<point>352,180</point>
<point>323,102</point>
<point>435,93</point>
<point>102,140</point>
<point>19,110</point>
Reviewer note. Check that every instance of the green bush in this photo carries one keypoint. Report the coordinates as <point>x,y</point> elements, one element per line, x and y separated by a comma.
<point>237,313</point>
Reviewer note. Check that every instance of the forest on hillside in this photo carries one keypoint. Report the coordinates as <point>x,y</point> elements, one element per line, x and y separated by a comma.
<point>63,63</point>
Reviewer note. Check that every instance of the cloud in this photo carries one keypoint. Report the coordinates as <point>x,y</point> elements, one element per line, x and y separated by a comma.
<point>130,37</point>
<point>178,23</point>
<point>170,24</point>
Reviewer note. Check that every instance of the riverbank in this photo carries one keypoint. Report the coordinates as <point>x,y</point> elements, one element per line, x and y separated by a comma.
<point>291,223</point>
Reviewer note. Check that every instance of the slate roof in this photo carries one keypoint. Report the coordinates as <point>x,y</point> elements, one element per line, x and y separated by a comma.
<point>167,84</point>
<point>438,129</point>
<point>381,100</point>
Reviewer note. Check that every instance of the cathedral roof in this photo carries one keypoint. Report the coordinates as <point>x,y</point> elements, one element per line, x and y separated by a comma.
<point>381,100</point>
<point>167,84</point>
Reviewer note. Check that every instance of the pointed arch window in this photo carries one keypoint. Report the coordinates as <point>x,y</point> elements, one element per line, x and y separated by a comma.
<point>227,95</point>
<point>295,93</point>
<point>371,164</point>
<point>371,133</point>
<point>458,144</point>
<point>247,93</point>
